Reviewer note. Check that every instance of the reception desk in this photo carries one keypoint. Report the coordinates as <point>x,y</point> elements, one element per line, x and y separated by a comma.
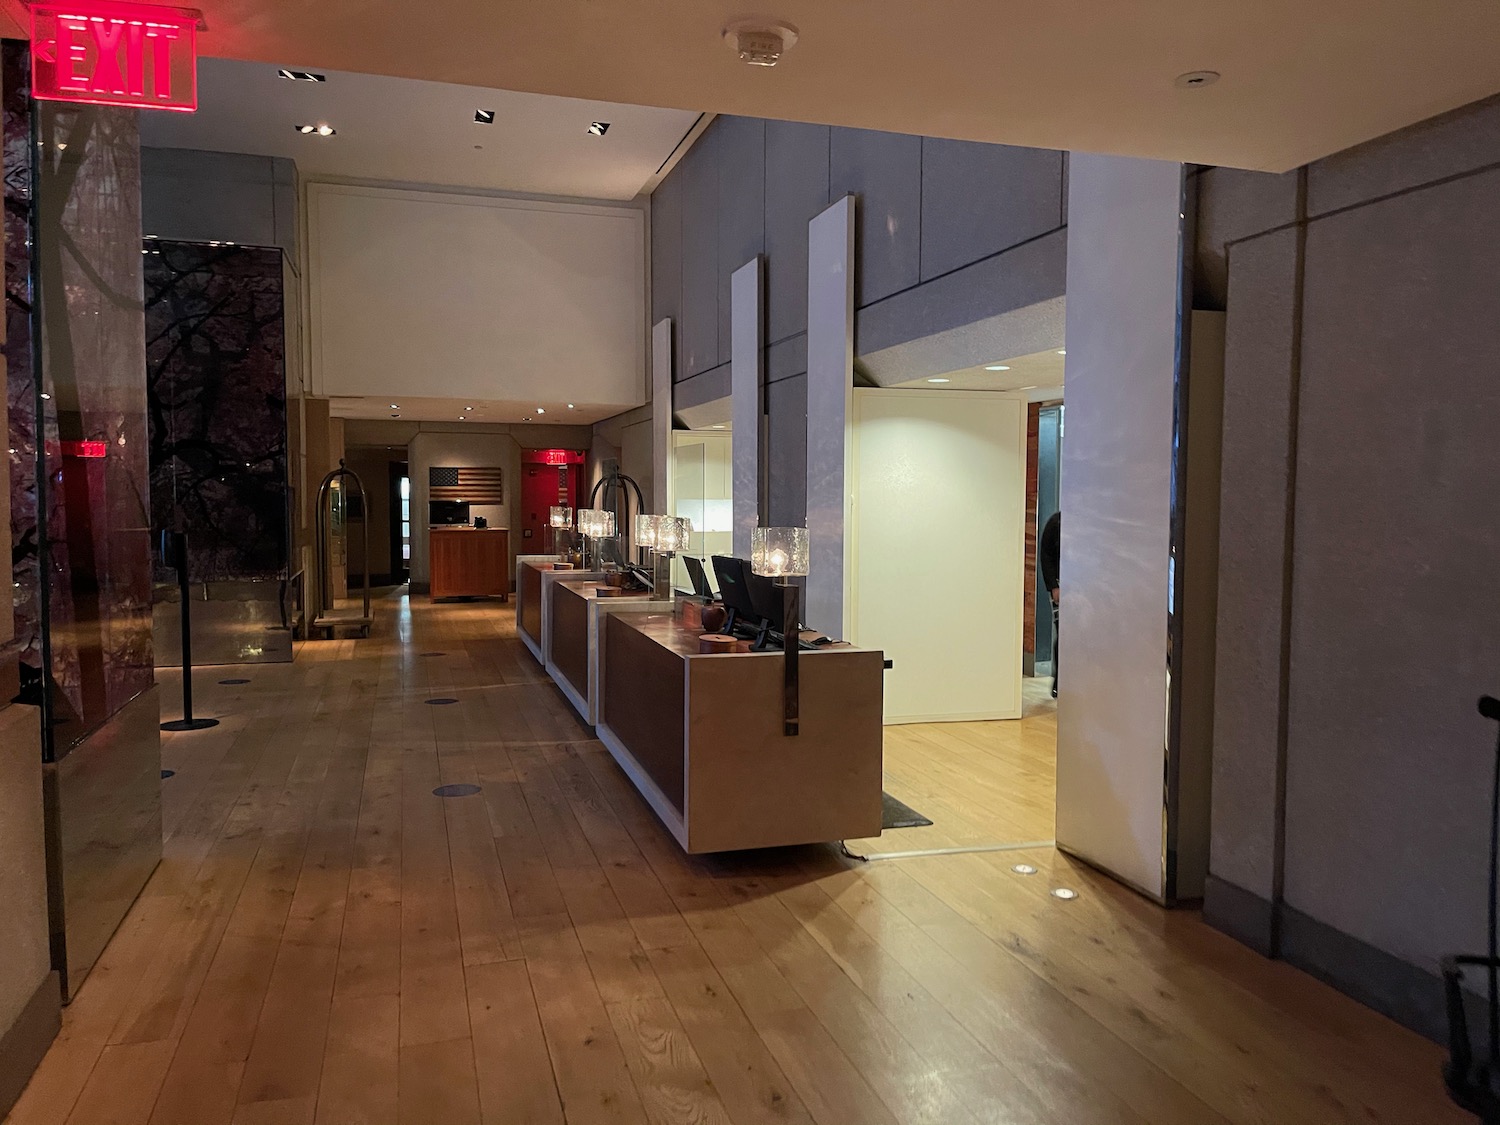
<point>701,737</point>
<point>468,562</point>
<point>574,630</point>
<point>535,575</point>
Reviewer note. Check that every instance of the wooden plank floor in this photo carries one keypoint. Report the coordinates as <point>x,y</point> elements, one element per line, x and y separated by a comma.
<point>979,783</point>
<point>327,943</point>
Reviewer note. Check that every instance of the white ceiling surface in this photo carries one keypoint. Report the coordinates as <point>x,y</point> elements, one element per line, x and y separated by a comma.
<point>1036,377</point>
<point>393,130</point>
<point>411,409</point>
<point>1299,80</point>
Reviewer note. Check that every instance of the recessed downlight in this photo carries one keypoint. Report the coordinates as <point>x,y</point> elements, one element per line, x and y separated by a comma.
<point>395,406</point>
<point>540,410</point>
<point>570,406</point>
<point>997,367</point>
<point>940,380</point>
<point>468,408</point>
<point>484,117</point>
<point>599,128</point>
<point>322,129</point>
<point>1067,894</point>
<point>302,76</point>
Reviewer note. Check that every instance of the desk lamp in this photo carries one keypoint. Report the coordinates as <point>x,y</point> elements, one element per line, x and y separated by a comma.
<point>781,554</point>
<point>594,524</point>
<point>560,520</point>
<point>673,534</point>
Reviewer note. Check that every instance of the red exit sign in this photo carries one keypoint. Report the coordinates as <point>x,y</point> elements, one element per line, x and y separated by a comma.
<point>109,52</point>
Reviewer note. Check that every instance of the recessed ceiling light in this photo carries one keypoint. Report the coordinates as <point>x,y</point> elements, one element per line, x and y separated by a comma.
<point>599,128</point>
<point>61,145</point>
<point>997,367</point>
<point>302,76</point>
<point>939,380</point>
<point>468,408</point>
<point>323,130</point>
<point>46,396</point>
<point>484,117</point>
<point>539,410</point>
<point>395,406</point>
<point>570,406</point>
<point>1197,79</point>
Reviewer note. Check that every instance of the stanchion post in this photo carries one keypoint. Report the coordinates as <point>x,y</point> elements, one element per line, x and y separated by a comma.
<point>177,542</point>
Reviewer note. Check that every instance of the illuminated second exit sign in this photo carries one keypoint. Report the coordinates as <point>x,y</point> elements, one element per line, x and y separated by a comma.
<point>110,52</point>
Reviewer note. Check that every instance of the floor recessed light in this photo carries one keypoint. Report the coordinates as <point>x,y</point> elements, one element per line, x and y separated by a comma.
<point>1064,893</point>
<point>599,128</point>
<point>939,380</point>
<point>997,367</point>
<point>1024,869</point>
<point>1197,79</point>
<point>484,117</point>
<point>302,76</point>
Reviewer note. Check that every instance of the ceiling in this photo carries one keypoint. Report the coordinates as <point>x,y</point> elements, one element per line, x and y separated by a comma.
<point>408,409</point>
<point>1037,377</point>
<point>1299,80</point>
<point>390,129</point>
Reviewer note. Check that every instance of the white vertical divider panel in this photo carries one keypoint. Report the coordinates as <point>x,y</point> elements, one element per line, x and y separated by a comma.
<point>830,391</point>
<point>661,418</point>
<point>746,360</point>
<point>925,462</point>
<point>1124,322</point>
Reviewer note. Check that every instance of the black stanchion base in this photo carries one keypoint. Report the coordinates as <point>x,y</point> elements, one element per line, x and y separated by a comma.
<point>190,724</point>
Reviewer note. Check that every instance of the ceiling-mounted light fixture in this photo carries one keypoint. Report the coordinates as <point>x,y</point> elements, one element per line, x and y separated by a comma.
<point>760,42</point>
<point>302,76</point>
<point>484,117</point>
<point>997,367</point>
<point>939,380</point>
<point>539,410</point>
<point>599,128</point>
<point>570,406</point>
<point>322,129</point>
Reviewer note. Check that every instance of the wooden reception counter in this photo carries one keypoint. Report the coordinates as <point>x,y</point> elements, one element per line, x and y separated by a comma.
<point>574,631</point>
<point>469,562</point>
<point>701,737</point>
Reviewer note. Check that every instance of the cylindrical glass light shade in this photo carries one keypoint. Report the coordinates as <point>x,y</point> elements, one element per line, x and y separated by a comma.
<point>779,552</point>
<point>596,523</point>
<point>562,517</point>
<point>646,530</point>
<point>673,534</point>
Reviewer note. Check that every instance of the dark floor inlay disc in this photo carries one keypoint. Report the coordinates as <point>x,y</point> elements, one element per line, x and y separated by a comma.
<point>434,654</point>
<point>455,791</point>
<point>167,773</point>
<point>234,681</point>
<point>439,701</point>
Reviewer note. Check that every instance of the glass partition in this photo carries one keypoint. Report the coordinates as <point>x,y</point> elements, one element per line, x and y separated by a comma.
<point>702,477</point>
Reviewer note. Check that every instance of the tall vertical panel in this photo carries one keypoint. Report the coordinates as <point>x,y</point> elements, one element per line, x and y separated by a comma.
<point>1123,332</point>
<point>742,209</point>
<point>830,390</point>
<point>746,361</point>
<point>700,257</point>
<point>885,171</point>
<point>661,416</point>
<point>786,452</point>
<point>796,190</point>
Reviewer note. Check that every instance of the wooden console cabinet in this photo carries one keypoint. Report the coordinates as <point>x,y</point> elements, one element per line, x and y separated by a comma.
<point>469,562</point>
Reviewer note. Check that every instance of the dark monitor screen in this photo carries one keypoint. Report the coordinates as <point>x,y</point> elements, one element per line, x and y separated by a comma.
<point>765,598</point>
<point>733,591</point>
<point>700,579</point>
<point>609,551</point>
<point>445,512</point>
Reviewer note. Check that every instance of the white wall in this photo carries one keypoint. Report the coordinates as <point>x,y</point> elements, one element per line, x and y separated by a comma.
<point>937,568</point>
<point>1124,296</point>
<point>466,296</point>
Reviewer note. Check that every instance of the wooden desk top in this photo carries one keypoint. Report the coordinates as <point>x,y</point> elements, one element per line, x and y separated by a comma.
<point>673,635</point>
<point>589,589</point>
<point>451,528</point>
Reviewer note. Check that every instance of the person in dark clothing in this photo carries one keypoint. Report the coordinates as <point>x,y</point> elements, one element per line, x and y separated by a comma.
<point>1048,550</point>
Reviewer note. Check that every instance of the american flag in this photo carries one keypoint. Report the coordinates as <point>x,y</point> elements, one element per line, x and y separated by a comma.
<point>473,485</point>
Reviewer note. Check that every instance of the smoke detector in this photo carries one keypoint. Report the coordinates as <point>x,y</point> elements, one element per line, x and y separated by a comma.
<point>760,42</point>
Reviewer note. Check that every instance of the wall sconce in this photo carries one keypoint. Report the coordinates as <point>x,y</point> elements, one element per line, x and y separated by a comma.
<point>595,524</point>
<point>561,519</point>
<point>781,554</point>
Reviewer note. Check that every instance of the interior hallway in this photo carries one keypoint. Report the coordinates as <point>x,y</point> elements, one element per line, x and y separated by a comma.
<point>326,941</point>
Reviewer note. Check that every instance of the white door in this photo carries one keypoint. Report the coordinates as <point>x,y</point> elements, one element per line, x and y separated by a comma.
<point>937,573</point>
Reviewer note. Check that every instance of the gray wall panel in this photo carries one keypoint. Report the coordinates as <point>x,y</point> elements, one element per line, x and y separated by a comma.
<point>1457,142</point>
<point>666,256</point>
<point>194,196</point>
<point>706,387</point>
<point>1252,523</point>
<point>885,171</point>
<point>742,206</point>
<point>1234,204</point>
<point>1396,626</point>
<point>786,449</point>
<point>796,190</point>
<point>979,199</point>
<point>787,358</point>
<point>699,342</point>
<point>1026,275</point>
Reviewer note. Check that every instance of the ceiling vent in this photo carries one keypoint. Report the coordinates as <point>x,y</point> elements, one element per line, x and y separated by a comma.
<point>760,42</point>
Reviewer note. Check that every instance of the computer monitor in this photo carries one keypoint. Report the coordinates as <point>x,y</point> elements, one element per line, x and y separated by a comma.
<point>766,601</point>
<point>733,591</point>
<point>609,551</point>
<point>699,578</point>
